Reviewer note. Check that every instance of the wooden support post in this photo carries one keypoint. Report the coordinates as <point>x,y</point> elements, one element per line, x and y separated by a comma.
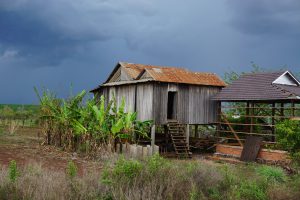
<point>251,118</point>
<point>247,128</point>
<point>187,134</point>
<point>152,136</point>
<point>196,131</point>
<point>293,109</point>
<point>166,136</point>
<point>219,117</point>
<point>273,121</point>
<point>282,110</point>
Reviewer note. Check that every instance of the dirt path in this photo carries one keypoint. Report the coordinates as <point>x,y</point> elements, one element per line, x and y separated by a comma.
<point>24,147</point>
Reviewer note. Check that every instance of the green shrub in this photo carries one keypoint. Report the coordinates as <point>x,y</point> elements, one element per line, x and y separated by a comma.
<point>288,135</point>
<point>127,168</point>
<point>155,163</point>
<point>251,190</point>
<point>272,174</point>
<point>296,157</point>
<point>13,172</point>
<point>71,169</point>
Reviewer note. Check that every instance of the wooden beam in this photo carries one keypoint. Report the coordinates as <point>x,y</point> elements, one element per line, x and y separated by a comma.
<point>232,130</point>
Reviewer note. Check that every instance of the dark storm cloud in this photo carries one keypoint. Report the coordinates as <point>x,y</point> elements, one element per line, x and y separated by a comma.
<point>59,42</point>
<point>50,32</point>
<point>269,17</point>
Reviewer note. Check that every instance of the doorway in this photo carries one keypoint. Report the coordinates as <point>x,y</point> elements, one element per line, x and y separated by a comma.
<point>172,105</point>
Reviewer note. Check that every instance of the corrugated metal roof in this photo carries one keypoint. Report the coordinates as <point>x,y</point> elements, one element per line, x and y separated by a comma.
<point>172,74</point>
<point>258,87</point>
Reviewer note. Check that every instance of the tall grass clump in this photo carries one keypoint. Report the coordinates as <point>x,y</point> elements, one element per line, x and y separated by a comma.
<point>13,171</point>
<point>71,170</point>
<point>272,174</point>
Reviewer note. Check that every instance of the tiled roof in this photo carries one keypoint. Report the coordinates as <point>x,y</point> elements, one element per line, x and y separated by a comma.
<point>258,87</point>
<point>172,74</point>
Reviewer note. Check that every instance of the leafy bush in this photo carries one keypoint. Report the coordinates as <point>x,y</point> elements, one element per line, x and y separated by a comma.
<point>288,135</point>
<point>296,157</point>
<point>272,174</point>
<point>127,168</point>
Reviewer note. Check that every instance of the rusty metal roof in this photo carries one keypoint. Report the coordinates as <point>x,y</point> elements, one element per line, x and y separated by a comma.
<point>172,74</point>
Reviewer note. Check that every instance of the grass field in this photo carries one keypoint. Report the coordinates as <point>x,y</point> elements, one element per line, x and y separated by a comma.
<point>43,172</point>
<point>16,107</point>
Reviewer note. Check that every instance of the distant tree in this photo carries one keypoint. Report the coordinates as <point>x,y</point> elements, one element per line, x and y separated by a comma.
<point>231,76</point>
<point>7,112</point>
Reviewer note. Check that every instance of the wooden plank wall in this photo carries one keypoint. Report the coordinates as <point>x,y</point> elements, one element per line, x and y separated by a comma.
<point>128,92</point>
<point>183,104</point>
<point>201,109</point>
<point>160,98</point>
<point>144,101</point>
<point>193,104</point>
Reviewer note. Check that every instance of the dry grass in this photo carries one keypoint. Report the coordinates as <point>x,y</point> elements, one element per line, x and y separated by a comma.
<point>37,183</point>
<point>154,178</point>
<point>12,127</point>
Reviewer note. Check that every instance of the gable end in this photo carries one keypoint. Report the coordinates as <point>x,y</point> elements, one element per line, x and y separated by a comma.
<point>286,79</point>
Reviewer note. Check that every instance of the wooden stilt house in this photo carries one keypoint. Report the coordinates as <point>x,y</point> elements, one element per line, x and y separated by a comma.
<point>163,94</point>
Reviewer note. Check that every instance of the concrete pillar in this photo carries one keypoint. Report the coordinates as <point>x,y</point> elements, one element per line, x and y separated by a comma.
<point>133,151</point>
<point>153,136</point>
<point>127,147</point>
<point>145,152</point>
<point>187,134</point>
<point>109,148</point>
<point>139,151</point>
<point>149,149</point>
<point>156,149</point>
<point>118,148</point>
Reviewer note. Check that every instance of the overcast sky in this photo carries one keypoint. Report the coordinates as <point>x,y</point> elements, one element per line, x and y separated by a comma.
<point>57,43</point>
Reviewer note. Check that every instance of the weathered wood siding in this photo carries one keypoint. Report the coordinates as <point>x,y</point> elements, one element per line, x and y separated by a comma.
<point>202,110</point>
<point>144,101</point>
<point>183,104</point>
<point>150,101</point>
<point>126,91</point>
<point>160,103</point>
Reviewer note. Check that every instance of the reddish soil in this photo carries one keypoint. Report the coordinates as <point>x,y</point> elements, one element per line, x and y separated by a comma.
<point>24,147</point>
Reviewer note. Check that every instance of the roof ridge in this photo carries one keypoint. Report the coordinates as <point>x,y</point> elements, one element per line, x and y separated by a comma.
<point>258,73</point>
